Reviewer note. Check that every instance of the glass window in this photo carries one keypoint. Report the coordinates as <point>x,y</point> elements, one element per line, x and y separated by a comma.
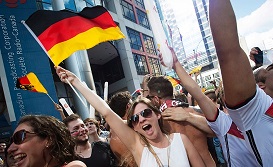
<point>135,41</point>
<point>141,65</point>
<point>128,11</point>
<point>70,5</point>
<point>113,71</point>
<point>44,5</point>
<point>140,3</point>
<point>155,66</point>
<point>90,3</point>
<point>143,19</point>
<point>149,44</point>
<point>80,4</point>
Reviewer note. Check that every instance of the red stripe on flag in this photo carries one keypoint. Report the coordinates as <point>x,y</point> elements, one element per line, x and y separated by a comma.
<point>68,28</point>
<point>24,81</point>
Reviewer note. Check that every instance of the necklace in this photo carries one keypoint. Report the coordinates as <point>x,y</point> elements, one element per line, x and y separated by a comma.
<point>168,149</point>
<point>160,164</point>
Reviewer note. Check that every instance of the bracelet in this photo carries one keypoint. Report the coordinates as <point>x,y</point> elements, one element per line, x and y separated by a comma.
<point>145,90</point>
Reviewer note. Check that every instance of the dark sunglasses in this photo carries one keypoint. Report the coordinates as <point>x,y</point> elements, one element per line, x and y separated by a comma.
<point>20,136</point>
<point>146,113</point>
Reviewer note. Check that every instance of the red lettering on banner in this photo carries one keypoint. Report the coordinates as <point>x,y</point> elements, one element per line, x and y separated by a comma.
<point>269,111</point>
<point>13,3</point>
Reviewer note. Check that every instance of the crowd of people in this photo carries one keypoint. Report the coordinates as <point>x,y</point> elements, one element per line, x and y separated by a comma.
<point>160,128</point>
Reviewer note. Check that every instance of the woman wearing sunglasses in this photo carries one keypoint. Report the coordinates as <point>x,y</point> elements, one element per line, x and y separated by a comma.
<point>144,137</point>
<point>42,141</point>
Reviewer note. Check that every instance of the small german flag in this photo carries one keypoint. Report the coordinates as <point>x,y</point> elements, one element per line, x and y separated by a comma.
<point>195,70</point>
<point>64,32</point>
<point>30,82</point>
<point>174,81</point>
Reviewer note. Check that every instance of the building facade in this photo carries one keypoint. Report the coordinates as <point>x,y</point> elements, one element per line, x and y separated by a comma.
<point>122,66</point>
<point>191,21</point>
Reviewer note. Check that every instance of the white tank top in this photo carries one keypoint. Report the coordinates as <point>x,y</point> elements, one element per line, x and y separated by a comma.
<point>178,155</point>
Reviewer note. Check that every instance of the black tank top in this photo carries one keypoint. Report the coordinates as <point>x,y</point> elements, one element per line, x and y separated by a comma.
<point>102,156</point>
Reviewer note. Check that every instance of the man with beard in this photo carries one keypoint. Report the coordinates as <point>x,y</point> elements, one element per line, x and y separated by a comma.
<point>92,154</point>
<point>160,91</point>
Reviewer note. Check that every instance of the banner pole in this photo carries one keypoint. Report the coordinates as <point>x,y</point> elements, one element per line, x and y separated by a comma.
<point>36,38</point>
<point>75,92</point>
<point>50,98</point>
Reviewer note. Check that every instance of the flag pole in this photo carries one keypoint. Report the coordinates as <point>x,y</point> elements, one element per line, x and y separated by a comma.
<point>75,92</point>
<point>42,46</point>
<point>36,38</point>
<point>50,98</point>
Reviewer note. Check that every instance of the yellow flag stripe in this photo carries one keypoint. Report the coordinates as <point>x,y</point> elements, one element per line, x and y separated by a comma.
<point>36,83</point>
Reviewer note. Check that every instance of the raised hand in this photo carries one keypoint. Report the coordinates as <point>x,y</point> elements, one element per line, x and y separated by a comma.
<point>252,53</point>
<point>65,75</point>
<point>175,60</point>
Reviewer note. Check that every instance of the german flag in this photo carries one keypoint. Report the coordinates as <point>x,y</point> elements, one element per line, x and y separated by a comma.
<point>30,82</point>
<point>195,70</point>
<point>174,81</point>
<point>64,32</point>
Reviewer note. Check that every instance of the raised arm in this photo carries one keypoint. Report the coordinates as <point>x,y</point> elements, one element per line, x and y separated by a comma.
<point>237,75</point>
<point>59,108</point>
<point>116,123</point>
<point>206,105</point>
<point>179,114</point>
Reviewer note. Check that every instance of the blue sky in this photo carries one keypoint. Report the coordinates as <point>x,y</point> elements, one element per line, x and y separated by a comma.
<point>243,8</point>
<point>254,20</point>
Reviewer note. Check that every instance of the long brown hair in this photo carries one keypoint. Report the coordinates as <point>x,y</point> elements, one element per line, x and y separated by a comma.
<point>61,145</point>
<point>150,105</point>
<point>160,122</point>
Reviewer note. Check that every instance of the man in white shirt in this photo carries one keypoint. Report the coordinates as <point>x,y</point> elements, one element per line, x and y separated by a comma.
<point>250,108</point>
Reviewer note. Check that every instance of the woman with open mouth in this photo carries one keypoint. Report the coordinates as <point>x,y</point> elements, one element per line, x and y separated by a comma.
<point>149,144</point>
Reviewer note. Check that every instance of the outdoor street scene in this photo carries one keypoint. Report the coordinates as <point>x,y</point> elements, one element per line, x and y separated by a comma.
<point>127,83</point>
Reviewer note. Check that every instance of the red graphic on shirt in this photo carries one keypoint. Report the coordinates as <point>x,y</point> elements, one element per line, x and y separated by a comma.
<point>269,111</point>
<point>13,3</point>
<point>235,131</point>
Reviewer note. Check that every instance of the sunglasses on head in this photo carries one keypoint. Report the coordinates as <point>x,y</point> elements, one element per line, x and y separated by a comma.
<point>20,136</point>
<point>146,113</point>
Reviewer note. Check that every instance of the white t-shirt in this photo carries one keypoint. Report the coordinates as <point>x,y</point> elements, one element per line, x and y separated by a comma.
<point>255,120</point>
<point>240,155</point>
<point>178,155</point>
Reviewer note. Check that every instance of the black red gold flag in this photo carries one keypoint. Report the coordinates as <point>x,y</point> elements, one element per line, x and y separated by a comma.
<point>64,32</point>
<point>174,81</point>
<point>30,82</point>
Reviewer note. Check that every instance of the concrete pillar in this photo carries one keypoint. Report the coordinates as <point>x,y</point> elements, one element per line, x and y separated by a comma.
<point>78,63</point>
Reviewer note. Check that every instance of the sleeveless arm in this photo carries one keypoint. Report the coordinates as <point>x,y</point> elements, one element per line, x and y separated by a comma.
<point>194,157</point>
